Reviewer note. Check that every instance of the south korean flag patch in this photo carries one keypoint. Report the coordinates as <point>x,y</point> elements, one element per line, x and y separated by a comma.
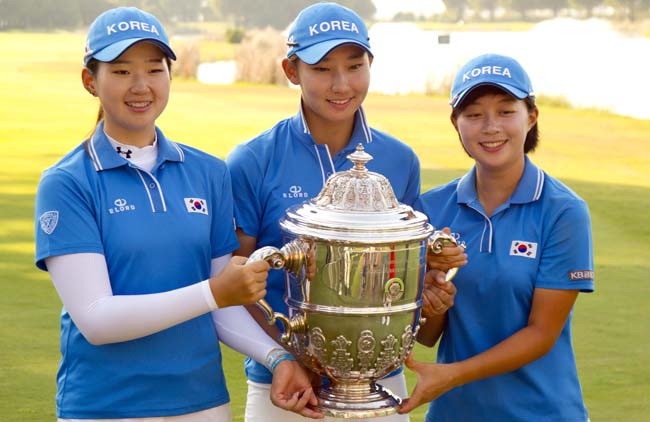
<point>49,220</point>
<point>523,249</point>
<point>197,205</point>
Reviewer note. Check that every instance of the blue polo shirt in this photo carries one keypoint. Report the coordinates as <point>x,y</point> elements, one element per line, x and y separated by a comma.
<point>284,166</point>
<point>158,231</point>
<point>539,238</point>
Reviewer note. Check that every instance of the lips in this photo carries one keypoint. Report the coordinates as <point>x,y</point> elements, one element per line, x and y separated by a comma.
<point>340,102</point>
<point>493,144</point>
<point>138,104</point>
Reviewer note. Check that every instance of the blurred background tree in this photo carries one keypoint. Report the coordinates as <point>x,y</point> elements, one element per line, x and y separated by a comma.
<point>45,15</point>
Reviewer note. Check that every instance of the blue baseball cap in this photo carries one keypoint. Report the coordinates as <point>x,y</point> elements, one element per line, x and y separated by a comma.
<point>491,69</point>
<point>117,29</point>
<point>321,27</point>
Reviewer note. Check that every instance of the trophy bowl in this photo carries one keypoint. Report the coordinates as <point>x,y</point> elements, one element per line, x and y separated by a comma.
<point>354,260</point>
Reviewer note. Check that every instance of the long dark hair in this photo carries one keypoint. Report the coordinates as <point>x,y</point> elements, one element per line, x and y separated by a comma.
<point>532,137</point>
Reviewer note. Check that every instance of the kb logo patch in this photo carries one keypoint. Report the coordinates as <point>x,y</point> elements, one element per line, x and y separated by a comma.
<point>49,220</point>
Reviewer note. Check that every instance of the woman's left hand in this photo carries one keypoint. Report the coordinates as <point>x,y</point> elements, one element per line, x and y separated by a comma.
<point>438,294</point>
<point>433,379</point>
<point>291,389</point>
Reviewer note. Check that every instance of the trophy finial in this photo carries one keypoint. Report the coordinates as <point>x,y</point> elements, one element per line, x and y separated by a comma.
<point>360,158</point>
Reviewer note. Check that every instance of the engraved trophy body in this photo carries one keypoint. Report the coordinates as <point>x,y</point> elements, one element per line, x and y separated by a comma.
<point>354,260</point>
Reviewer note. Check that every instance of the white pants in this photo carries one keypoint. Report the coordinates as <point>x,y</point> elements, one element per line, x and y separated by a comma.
<point>214,414</point>
<point>260,409</point>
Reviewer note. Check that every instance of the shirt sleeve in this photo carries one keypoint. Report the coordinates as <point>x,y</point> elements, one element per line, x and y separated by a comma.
<point>567,260</point>
<point>413,188</point>
<point>247,179</point>
<point>223,238</point>
<point>65,218</point>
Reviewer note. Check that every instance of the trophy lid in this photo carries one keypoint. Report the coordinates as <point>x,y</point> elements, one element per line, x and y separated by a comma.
<point>357,206</point>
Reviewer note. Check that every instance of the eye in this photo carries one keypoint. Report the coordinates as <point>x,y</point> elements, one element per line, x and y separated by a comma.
<point>472,114</point>
<point>356,66</point>
<point>120,72</point>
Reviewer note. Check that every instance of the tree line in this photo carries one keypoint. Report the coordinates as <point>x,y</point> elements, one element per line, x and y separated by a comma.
<point>43,15</point>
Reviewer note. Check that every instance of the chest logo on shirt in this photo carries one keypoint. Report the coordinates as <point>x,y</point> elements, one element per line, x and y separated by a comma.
<point>523,248</point>
<point>295,191</point>
<point>49,220</point>
<point>120,206</point>
<point>197,205</point>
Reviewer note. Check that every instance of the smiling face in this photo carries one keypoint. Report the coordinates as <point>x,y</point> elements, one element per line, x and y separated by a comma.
<point>334,88</point>
<point>493,127</point>
<point>133,91</point>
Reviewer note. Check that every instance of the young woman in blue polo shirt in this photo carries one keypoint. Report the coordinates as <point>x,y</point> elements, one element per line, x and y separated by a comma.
<point>506,351</point>
<point>136,233</point>
<point>329,57</point>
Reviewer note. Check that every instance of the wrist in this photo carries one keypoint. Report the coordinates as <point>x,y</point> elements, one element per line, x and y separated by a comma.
<point>215,289</point>
<point>275,356</point>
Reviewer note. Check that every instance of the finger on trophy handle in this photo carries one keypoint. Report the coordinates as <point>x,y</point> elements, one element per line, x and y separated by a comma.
<point>439,240</point>
<point>276,258</point>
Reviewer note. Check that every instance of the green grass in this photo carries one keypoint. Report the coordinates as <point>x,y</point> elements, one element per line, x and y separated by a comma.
<point>44,112</point>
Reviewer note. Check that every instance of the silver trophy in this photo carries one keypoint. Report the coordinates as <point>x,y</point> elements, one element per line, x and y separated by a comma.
<point>354,260</point>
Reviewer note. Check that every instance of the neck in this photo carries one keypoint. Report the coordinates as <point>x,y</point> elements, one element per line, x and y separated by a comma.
<point>136,138</point>
<point>495,187</point>
<point>336,135</point>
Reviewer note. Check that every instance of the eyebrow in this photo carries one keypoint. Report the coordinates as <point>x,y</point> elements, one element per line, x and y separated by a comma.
<point>122,61</point>
<point>353,56</point>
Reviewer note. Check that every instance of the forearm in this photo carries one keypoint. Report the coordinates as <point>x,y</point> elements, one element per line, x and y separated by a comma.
<point>239,331</point>
<point>520,349</point>
<point>83,285</point>
<point>431,330</point>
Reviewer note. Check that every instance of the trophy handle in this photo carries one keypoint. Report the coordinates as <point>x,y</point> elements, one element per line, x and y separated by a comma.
<point>290,257</point>
<point>439,240</point>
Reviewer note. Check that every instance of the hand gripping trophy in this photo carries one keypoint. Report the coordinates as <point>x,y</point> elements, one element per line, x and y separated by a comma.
<point>354,260</point>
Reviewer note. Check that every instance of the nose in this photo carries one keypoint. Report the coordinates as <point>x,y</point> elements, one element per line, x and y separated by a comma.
<point>340,82</point>
<point>139,84</point>
<point>490,124</point>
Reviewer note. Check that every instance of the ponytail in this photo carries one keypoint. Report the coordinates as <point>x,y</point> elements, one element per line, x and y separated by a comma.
<point>92,66</point>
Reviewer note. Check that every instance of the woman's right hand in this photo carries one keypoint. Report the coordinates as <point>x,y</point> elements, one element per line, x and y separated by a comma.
<point>240,283</point>
<point>449,257</point>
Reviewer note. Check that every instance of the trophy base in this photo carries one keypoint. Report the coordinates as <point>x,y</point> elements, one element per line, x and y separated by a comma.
<point>357,401</point>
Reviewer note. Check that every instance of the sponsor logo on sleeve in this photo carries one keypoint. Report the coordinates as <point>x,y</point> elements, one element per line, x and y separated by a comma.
<point>581,275</point>
<point>49,220</point>
<point>196,205</point>
<point>523,249</point>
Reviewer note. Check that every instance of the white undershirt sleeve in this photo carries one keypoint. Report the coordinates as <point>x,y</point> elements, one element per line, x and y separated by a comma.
<point>82,283</point>
<point>237,329</point>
